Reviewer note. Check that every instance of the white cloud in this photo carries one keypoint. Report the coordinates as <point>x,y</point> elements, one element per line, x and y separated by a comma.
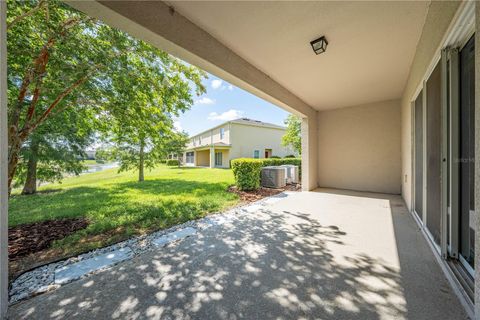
<point>178,126</point>
<point>231,114</point>
<point>205,100</point>
<point>216,83</point>
<point>230,87</point>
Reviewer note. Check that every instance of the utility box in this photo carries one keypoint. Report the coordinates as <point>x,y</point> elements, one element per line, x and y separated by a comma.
<point>273,177</point>
<point>292,174</point>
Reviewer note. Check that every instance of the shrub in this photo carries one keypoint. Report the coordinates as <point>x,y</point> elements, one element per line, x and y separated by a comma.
<point>163,161</point>
<point>275,157</point>
<point>173,162</point>
<point>289,156</point>
<point>247,173</point>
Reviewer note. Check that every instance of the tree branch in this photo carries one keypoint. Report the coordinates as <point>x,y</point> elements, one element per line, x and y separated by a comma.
<point>38,70</point>
<point>29,128</point>
<point>39,6</point>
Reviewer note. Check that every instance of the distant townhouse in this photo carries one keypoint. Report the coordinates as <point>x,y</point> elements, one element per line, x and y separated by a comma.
<point>241,138</point>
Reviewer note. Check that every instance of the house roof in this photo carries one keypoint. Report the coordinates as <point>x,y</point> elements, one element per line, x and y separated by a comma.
<point>244,121</point>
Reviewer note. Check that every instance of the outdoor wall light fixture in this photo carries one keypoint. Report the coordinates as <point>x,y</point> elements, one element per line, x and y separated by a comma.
<point>319,45</point>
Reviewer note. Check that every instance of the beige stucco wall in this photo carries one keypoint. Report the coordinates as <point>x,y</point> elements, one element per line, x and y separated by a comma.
<point>310,162</point>
<point>210,136</point>
<point>202,158</point>
<point>245,139</point>
<point>438,19</point>
<point>359,148</point>
<point>225,158</point>
<point>216,134</point>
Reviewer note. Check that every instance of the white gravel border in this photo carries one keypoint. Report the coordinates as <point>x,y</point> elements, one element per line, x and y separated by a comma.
<point>42,279</point>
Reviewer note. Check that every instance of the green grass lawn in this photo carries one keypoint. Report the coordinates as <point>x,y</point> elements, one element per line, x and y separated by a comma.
<point>118,206</point>
<point>89,162</point>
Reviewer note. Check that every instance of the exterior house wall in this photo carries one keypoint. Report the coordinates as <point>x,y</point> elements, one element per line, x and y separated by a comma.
<point>245,139</point>
<point>210,136</point>
<point>216,135</point>
<point>439,17</point>
<point>241,140</point>
<point>359,148</point>
<point>225,158</point>
<point>202,158</point>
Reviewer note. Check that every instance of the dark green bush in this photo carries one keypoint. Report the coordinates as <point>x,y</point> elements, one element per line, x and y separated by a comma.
<point>279,162</point>
<point>275,157</point>
<point>247,173</point>
<point>289,156</point>
<point>163,161</point>
<point>172,162</point>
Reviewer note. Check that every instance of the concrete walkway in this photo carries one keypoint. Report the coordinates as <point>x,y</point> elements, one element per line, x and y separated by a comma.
<point>312,255</point>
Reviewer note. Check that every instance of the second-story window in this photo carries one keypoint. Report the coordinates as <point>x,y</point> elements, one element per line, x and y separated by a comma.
<point>222,133</point>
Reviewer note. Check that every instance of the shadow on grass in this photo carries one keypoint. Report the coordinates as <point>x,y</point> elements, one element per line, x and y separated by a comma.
<point>118,211</point>
<point>167,187</point>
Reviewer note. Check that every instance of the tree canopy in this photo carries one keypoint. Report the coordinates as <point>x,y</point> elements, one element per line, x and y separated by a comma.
<point>293,133</point>
<point>63,62</point>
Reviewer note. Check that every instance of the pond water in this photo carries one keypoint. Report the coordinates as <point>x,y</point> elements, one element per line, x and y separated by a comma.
<point>100,167</point>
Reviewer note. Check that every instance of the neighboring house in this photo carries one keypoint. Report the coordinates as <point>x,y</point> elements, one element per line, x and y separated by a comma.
<point>241,138</point>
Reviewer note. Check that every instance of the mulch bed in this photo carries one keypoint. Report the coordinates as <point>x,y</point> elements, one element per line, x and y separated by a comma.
<point>255,195</point>
<point>30,238</point>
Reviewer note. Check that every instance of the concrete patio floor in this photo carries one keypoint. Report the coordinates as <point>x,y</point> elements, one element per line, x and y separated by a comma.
<point>324,255</point>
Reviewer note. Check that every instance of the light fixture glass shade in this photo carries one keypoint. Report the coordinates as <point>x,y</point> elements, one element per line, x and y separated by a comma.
<point>319,45</point>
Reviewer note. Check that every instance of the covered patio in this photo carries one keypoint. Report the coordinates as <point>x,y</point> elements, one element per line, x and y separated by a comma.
<point>382,111</point>
<point>324,254</point>
<point>214,156</point>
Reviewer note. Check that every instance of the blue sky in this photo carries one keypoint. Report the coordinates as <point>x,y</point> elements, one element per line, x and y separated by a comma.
<point>224,102</point>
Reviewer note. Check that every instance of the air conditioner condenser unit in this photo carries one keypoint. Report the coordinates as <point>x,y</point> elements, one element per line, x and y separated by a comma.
<point>273,177</point>
<point>291,173</point>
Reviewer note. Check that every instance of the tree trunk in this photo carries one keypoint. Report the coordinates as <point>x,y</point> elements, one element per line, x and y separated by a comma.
<point>141,162</point>
<point>13,156</point>
<point>12,168</point>
<point>30,186</point>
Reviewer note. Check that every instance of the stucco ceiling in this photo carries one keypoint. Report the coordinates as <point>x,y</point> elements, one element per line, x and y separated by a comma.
<point>371,44</point>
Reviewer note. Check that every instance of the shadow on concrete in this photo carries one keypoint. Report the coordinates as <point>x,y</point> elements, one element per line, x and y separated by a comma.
<point>276,263</point>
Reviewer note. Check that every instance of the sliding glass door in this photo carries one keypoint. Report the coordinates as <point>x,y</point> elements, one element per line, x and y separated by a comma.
<point>433,148</point>
<point>444,155</point>
<point>467,154</point>
<point>418,157</point>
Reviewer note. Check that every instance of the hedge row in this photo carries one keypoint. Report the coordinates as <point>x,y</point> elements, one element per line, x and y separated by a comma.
<point>247,171</point>
<point>172,162</point>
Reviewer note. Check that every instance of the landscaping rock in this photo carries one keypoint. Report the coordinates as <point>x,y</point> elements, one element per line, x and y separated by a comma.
<point>77,270</point>
<point>52,276</point>
<point>176,235</point>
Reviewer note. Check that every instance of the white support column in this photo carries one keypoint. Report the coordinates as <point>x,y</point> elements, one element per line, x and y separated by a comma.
<point>3,163</point>
<point>212,157</point>
<point>309,152</point>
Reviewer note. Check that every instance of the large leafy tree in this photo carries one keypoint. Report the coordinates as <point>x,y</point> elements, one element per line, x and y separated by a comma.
<point>292,137</point>
<point>138,150</point>
<point>143,134</point>
<point>59,59</point>
<point>54,149</point>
